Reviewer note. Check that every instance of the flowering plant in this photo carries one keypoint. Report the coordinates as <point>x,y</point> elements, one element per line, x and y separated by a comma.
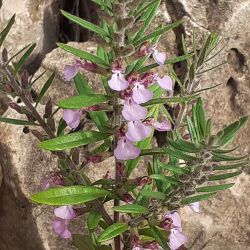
<point>141,94</point>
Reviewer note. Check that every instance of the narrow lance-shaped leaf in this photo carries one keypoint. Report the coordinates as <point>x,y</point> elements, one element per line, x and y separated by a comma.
<point>196,198</point>
<point>85,24</point>
<point>159,237</point>
<point>214,188</point>
<point>133,208</point>
<point>82,101</point>
<point>16,121</point>
<point>6,30</point>
<point>112,231</point>
<point>24,58</point>
<point>45,88</point>
<point>73,140</point>
<point>152,194</point>
<point>83,55</point>
<point>69,195</point>
<point>93,219</point>
<point>223,176</point>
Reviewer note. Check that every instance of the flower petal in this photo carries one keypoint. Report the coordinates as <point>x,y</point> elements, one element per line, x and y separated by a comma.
<point>159,57</point>
<point>118,81</point>
<point>60,227</point>
<point>65,212</point>
<point>72,117</point>
<point>165,82</point>
<point>125,150</point>
<point>141,94</point>
<point>162,126</point>
<point>176,239</point>
<point>133,112</point>
<point>175,217</point>
<point>137,131</point>
<point>195,207</point>
<point>70,71</point>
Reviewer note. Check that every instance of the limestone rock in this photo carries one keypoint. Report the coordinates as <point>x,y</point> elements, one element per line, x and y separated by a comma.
<point>36,21</point>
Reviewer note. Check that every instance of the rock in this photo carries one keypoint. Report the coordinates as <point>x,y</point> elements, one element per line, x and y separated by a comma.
<point>36,21</point>
<point>24,165</point>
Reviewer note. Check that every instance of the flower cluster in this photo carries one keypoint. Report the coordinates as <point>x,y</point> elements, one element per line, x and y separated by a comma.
<point>134,91</point>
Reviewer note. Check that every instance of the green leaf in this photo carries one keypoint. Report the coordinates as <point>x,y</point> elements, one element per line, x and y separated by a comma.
<point>214,188</point>
<point>185,146</point>
<point>159,32</point>
<point>159,237</point>
<point>82,242</point>
<point>151,12</point>
<point>200,114</point>
<point>68,195</point>
<point>163,178</point>
<point>196,198</point>
<point>61,126</point>
<point>84,55</point>
<point>82,85</point>
<point>192,130</point>
<point>223,176</point>
<point>83,101</point>
<point>45,88</point>
<point>73,140</point>
<point>179,155</point>
<point>228,133</point>
<point>112,231</point>
<point>152,194</point>
<point>93,219</point>
<point>222,157</point>
<point>168,61</point>
<point>24,58</point>
<point>133,208</point>
<point>6,30</point>
<point>16,122</point>
<point>228,167</point>
<point>170,100</point>
<point>85,24</point>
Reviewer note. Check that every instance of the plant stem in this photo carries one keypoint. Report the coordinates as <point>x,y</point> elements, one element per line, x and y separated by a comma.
<point>19,91</point>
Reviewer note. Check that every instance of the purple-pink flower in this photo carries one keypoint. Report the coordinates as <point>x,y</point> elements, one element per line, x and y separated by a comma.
<point>70,71</point>
<point>162,126</point>
<point>118,81</point>
<point>141,94</point>
<point>195,207</point>
<point>125,150</point>
<point>137,131</point>
<point>159,57</point>
<point>133,111</point>
<point>165,82</point>
<point>61,225</point>
<point>51,181</point>
<point>172,222</point>
<point>72,117</point>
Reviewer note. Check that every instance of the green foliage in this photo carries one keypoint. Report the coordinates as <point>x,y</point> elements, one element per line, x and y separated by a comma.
<point>133,209</point>
<point>112,231</point>
<point>6,30</point>
<point>16,121</point>
<point>73,140</point>
<point>69,195</point>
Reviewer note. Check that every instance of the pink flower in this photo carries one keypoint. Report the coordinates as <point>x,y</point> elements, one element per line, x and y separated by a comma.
<point>165,82</point>
<point>172,222</point>
<point>176,239</point>
<point>118,81</point>
<point>162,126</point>
<point>159,57</point>
<point>153,246</point>
<point>65,212</point>
<point>72,117</point>
<point>70,71</point>
<point>137,131</point>
<point>132,111</point>
<point>125,150</point>
<point>195,207</point>
<point>141,94</point>
<point>61,228</point>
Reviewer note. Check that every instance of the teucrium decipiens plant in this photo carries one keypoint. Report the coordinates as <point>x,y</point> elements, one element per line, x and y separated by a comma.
<point>138,97</point>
